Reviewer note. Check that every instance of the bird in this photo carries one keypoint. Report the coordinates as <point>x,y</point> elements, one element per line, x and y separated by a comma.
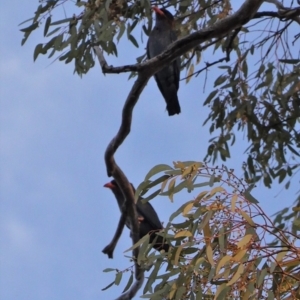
<point>160,38</point>
<point>149,222</point>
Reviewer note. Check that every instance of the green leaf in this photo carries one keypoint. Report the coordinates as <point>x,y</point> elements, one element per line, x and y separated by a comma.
<point>58,41</point>
<point>202,184</point>
<point>118,278</point>
<point>38,49</point>
<point>121,31</point>
<point>129,283</point>
<point>245,68</point>
<point>47,24</point>
<point>199,293</point>
<point>250,164</point>
<point>290,61</point>
<point>53,31</point>
<point>281,173</point>
<point>157,169</point>
<point>143,249</point>
<point>108,286</point>
<point>262,274</point>
<point>221,79</point>
<point>221,292</point>
<point>132,26</point>
<point>133,40</point>
<point>153,195</point>
<point>249,197</point>
<point>108,270</point>
<point>146,185</point>
<point>62,21</point>
<point>210,97</point>
<point>30,28</point>
<point>25,21</point>
<point>211,180</point>
<point>142,240</point>
<point>153,275</point>
<point>177,212</point>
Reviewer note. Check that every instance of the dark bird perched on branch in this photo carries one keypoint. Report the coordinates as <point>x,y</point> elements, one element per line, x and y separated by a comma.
<point>149,222</point>
<point>160,38</point>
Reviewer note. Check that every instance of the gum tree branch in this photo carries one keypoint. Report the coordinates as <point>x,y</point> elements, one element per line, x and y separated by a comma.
<point>179,47</point>
<point>145,71</point>
<point>129,208</point>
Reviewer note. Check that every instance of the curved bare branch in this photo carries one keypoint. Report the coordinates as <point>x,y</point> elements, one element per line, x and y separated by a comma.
<point>145,71</point>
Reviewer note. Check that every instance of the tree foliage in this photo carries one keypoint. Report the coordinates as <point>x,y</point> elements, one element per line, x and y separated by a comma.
<point>261,100</point>
<point>220,248</point>
<point>220,239</point>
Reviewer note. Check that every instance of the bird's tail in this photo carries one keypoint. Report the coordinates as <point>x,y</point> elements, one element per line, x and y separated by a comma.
<point>173,106</point>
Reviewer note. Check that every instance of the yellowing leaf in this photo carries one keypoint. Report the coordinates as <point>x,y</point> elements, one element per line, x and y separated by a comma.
<point>233,202</point>
<point>206,219</point>
<point>247,218</point>
<point>215,207</point>
<point>190,73</point>
<point>178,165</point>
<point>296,208</point>
<point>173,291</point>
<point>245,240</point>
<point>200,196</point>
<point>209,253</point>
<point>222,263</point>
<point>237,275</point>
<point>187,208</point>
<point>291,263</point>
<point>280,256</point>
<point>171,189</point>
<point>239,255</point>
<point>216,190</point>
<point>207,233</point>
<point>177,254</point>
<point>187,171</point>
<point>183,233</point>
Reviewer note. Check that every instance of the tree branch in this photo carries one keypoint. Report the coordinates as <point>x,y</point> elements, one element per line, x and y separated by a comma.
<point>285,12</point>
<point>129,208</point>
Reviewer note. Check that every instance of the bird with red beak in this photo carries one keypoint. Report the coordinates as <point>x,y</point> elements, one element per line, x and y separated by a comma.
<point>149,222</point>
<point>167,79</point>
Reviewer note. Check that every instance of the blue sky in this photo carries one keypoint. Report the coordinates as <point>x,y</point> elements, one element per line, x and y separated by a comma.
<point>55,216</point>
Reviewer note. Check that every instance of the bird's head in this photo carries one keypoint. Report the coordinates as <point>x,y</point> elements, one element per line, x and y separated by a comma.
<point>163,14</point>
<point>113,186</point>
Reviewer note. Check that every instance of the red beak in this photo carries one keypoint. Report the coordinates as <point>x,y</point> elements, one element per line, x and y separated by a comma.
<point>109,185</point>
<point>158,11</point>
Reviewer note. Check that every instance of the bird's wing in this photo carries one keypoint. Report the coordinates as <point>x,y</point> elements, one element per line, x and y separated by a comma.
<point>148,52</point>
<point>176,71</point>
<point>147,211</point>
<point>176,62</point>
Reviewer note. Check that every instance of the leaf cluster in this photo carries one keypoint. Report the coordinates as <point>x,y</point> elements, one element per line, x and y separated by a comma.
<point>219,241</point>
<point>261,99</point>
